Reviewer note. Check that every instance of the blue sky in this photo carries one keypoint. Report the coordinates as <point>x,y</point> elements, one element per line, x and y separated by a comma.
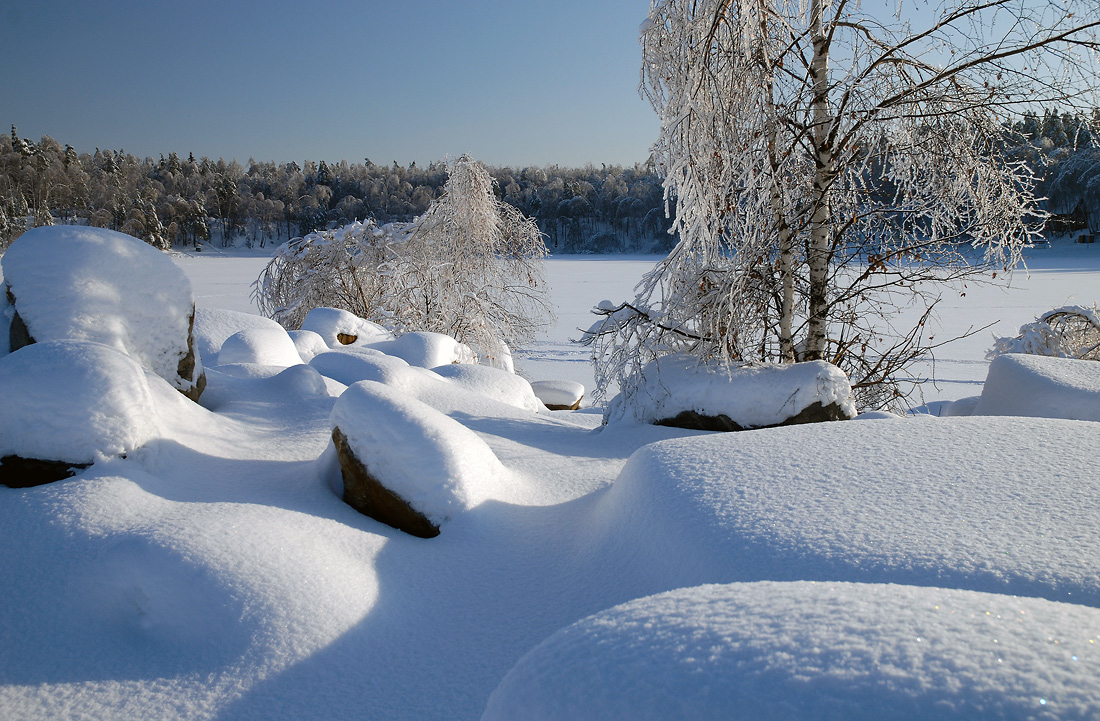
<point>532,82</point>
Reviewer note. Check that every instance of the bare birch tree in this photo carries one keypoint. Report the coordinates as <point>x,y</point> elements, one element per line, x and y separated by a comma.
<point>828,164</point>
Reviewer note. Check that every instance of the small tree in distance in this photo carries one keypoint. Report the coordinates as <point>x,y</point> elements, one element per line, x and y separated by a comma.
<point>469,267</point>
<point>830,168</point>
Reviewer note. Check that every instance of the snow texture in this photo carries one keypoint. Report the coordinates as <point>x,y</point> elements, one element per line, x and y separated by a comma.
<point>813,651</point>
<point>73,401</point>
<point>308,344</point>
<point>263,346</point>
<point>1044,386</point>
<point>435,464</point>
<point>353,364</point>
<point>751,395</point>
<point>213,326</point>
<point>329,323</point>
<point>558,393</point>
<point>5,320</point>
<point>427,350</point>
<point>494,383</point>
<point>984,504</point>
<point>93,284</point>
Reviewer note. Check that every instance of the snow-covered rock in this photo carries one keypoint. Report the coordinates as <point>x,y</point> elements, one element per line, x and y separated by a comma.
<point>213,326</point>
<point>980,503</point>
<point>73,402</point>
<point>262,346</point>
<point>92,284</point>
<point>354,364</point>
<point>427,350</point>
<point>813,652</point>
<point>406,464</point>
<point>308,343</point>
<point>559,395</point>
<point>339,328</point>
<point>678,390</point>
<point>494,383</point>
<point>6,312</point>
<point>1021,384</point>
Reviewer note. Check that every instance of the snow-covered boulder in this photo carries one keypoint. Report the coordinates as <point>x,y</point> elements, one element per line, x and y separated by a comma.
<point>67,403</point>
<point>813,652</point>
<point>1021,384</point>
<point>495,383</point>
<point>427,350</point>
<point>678,390</point>
<point>6,311</point>
<point>979,503</point>
<point>559,395</point>
<point>214,325</point>
<point>308,343</point>
<point>339,328</point>
<point>354,364</point>
<point>92,284</point>
<point>404,463</point>
<point>262,346</point>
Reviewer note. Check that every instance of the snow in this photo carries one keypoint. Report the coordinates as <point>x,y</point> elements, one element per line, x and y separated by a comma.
<point>426,350</point>
<point>813,651</point>
<point>330,323</point>
<point>558,393</point>
<point>214,325</point>
<point>263,346</point>
<point>215,573</point>
<point>308,344</point>
<point>73,401</point>
<point>1045,386</point>
<point>752,395</point>
<point>494,383</point>
<point>435,464</point>
<point>93,284</point>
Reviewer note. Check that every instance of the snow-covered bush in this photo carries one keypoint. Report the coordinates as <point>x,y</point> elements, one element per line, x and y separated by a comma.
<point>1072,331</point>
<point>469,268</point>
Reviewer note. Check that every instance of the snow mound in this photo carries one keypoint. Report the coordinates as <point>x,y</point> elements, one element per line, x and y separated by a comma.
<point>5,320</point>
<point>984,504</point>
<point>1042,386</point>
<point>213,326</point>
<point>331,323</point>
<point>427,350</point>
<point>751,395</point>
<point>73,401</point>
<point>93,284</point>
<point>263,346</point>
<point>308,344</point>
<point>351,365</point>
<point>558,393</point>
<point>264,383</point>
<point>434,463</point>
<point>813,651</point>
<point>494,383</point>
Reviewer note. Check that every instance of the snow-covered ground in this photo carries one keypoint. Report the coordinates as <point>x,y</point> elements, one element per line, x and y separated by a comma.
<point>925,567</point>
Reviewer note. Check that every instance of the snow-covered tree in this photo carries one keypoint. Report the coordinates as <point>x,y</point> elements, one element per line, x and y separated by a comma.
<point>827,163</point>
<point>469,267</point>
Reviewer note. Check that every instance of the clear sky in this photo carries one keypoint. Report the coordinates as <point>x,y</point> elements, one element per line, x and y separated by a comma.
<point>517,82</point>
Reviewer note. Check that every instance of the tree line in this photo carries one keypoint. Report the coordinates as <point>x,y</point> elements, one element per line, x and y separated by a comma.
<point>177,201</point>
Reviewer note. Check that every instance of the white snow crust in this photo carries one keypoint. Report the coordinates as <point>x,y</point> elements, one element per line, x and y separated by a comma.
<point>73,401</point>
<point>214,325</point>
<point>435,464</point>
<point>494,383</point>
<point>427,350</point>
<point>813,652</point>
<point>308,344</point>
<point>262,346</point>
<point>93,284</point>
<point>1021,384</point>
<point>558,393</point>
<point>752,395</point>
<point>331,322</point>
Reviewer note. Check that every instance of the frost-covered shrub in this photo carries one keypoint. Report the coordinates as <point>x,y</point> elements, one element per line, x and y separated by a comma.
<point>1069,332</point>
<point>470,268</point>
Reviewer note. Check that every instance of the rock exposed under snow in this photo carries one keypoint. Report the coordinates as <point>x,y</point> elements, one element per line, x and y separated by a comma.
<point>262,346</point>
<point>92,284</point>
<point>678,390</point>
<point>339,328</point>
<point>559,395</point>
<point>406,464</point>
<point>813,651</point>
<point>1020,384</point>
<point>70,402</point>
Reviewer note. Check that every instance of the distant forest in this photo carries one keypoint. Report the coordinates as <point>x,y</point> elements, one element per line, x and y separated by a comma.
<point>174,201</point>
